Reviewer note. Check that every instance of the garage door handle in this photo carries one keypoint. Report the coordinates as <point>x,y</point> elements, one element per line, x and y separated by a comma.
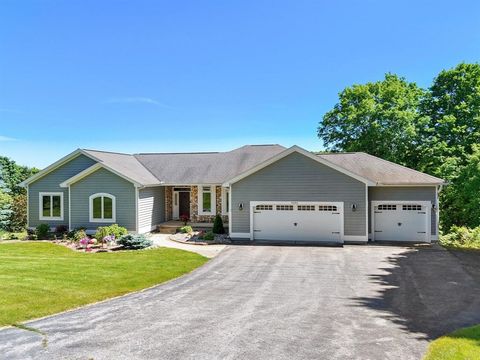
<point>336,213</point>
<point>422,212</point>
<point>257,212</point>
<point>378,231</point>
<point>378,212</point>
<point>257,230</point>
<point>335,232</point>
<point>421,232</point>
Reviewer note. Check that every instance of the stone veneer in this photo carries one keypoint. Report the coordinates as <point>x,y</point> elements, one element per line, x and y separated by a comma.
<point>194,217</point>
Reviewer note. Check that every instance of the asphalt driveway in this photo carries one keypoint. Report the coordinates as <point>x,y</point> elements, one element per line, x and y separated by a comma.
<point>266,302</point>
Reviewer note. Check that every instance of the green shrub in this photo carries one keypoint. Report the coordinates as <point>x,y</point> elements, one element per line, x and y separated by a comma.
<point>186,229</point>
<point>77,234</point>
<point>117,231</point>
<point>462,237</point>
<point>209,236</point>
<point>218,225</point>
<point>42,231</point>
<point>61,229</point>
<point>134,242</point>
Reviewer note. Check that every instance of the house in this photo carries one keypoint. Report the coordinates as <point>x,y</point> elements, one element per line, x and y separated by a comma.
<point>264,192</point>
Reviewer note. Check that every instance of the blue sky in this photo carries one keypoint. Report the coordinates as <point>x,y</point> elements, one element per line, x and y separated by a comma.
<point>138,76</point>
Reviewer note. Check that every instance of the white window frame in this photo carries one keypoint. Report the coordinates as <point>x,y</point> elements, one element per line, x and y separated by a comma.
<point>40,206</point>
<point>213,198</point>
<point>90,208</point>
<point>225,200</point>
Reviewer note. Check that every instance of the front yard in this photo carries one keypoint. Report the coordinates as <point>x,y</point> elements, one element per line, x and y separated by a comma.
<point>459,345</point>
<point>38,279</point>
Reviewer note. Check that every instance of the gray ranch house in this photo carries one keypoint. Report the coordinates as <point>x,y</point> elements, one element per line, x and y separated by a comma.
<point>265,193</point>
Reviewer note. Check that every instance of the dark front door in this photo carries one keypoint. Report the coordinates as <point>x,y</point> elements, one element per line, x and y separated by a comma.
<point>184,204</point>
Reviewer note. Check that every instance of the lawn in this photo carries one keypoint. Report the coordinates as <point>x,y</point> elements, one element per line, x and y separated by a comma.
<point>463,344</point>
<point>39,278</point>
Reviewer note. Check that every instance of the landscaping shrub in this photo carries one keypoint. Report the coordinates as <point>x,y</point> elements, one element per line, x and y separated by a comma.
<point>61,229</point>
<point>115,230</point>
<point>42,231</point>
<point>134,242</point>
<point>462,237</point>
<point>218,225</point>
<point>186,229</point>
<point>77,234</point>
<point>209,236</point>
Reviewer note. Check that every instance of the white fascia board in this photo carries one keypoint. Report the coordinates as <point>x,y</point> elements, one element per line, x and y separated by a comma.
<point>304,152</point>
<point>51,167</point>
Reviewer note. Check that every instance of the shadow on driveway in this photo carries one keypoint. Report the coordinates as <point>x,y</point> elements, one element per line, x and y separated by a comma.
<point>428,291</point>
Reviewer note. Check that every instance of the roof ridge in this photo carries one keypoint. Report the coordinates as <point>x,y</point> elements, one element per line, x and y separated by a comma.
<point>108,152</point>
<point>179,153</point>
<point>403,166</point>
<point>146,168</point>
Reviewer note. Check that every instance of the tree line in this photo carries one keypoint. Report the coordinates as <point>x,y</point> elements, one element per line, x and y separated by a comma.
<point>434,130</point>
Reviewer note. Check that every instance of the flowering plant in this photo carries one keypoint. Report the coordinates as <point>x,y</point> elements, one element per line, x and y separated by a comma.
<point>184,218</point>
<point>109,239</point>
<point>84,241</point>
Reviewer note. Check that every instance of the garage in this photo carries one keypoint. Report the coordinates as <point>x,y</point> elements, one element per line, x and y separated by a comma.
<point>297,221</point>
<point>401,221</point>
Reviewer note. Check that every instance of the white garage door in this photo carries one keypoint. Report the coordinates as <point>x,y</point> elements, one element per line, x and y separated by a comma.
<point>401,221</point>
<point>297,221</point>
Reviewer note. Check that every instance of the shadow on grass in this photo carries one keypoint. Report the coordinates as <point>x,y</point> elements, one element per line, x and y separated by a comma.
<point>427,291</point>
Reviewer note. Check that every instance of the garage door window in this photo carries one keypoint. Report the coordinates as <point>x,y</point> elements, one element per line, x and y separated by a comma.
<point>387,207</point>
<point>264,207</point>
<point>284,207</point>
<point>306,207</point>
<point>412,207</point>
<point>327,208</point>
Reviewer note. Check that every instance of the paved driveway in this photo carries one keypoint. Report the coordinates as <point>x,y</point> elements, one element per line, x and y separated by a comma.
<point>265,302</point>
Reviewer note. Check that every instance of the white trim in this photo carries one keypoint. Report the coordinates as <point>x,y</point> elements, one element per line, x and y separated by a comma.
<point>427,204</point>
<point>69,210</point>
<point>137,214</point>
<point>213,198</point>
<point>366,211</point>
<point>437,212</point>
<point>407,185</point>
<point>28,206</point>
<point>225,193</point>
<point>239,235</point>
<point>230,219</point>
<point>303,152</point>
<point>146,229</point>
<point>40,206</point>
<point>51,167</point>
<point>90,208</point>
<point>355,238</point>
<point>91,170</point>
<point>340,205</point>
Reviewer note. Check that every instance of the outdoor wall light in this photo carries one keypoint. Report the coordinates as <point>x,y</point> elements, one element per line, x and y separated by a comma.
<point>354,207</point>
<point>240,206</point>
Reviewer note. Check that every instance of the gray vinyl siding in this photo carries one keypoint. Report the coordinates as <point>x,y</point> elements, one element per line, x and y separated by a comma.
<point>103,181</point>
<point>299,178</point>
<point>407,193</point>
<point>51,183</point>
<point>151,207</point>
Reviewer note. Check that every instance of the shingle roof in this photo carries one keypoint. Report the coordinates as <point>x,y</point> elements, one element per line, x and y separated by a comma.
<point>380,171</point>
<point>219,167</point>
<point>206,168</point>
<point>126,165</point>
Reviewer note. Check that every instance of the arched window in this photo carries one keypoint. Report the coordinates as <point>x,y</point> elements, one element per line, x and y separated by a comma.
<point>102,208</point>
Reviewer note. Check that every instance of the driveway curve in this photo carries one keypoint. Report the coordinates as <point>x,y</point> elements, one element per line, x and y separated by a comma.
<point>266,302</point>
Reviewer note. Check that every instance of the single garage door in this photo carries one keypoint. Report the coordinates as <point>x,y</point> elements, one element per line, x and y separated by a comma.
<point>403,221</point>
<point>297,221</point>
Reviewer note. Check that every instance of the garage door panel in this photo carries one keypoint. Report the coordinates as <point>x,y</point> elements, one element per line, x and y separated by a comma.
<point>297,222</point>
<point>401,222</point>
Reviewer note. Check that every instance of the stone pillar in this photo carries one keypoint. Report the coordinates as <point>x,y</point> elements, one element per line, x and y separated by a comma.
<point>194,204</point>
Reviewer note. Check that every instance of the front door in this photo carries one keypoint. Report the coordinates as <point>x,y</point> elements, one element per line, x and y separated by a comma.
<point>184,204</point>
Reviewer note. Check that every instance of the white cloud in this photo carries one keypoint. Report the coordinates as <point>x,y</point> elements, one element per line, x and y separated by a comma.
<point>136,100</point>
<point>6,138</point>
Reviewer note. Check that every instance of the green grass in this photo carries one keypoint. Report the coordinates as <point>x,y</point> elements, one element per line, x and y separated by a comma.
<point>463,344</point>
<point>38,279</point>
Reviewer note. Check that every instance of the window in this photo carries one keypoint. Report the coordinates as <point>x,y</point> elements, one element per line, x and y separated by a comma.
<point>387,207</point>
<point>225,201</point>
<point>264,207</point>
<point>411,207</point>
<point>51,206</point>
<point>327,208</point>
<point>102,208</point>
<point>284,207</point>
<point>206,200</point>
<point>306,207</point>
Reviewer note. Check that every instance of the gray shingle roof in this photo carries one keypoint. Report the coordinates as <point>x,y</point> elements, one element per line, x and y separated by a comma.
<point>206,168</point>
<point>380,171</point>
<point>219,167</point>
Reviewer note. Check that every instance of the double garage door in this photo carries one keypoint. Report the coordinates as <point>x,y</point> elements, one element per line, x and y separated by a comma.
<point>297,221</point>
<point>401,221</point>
